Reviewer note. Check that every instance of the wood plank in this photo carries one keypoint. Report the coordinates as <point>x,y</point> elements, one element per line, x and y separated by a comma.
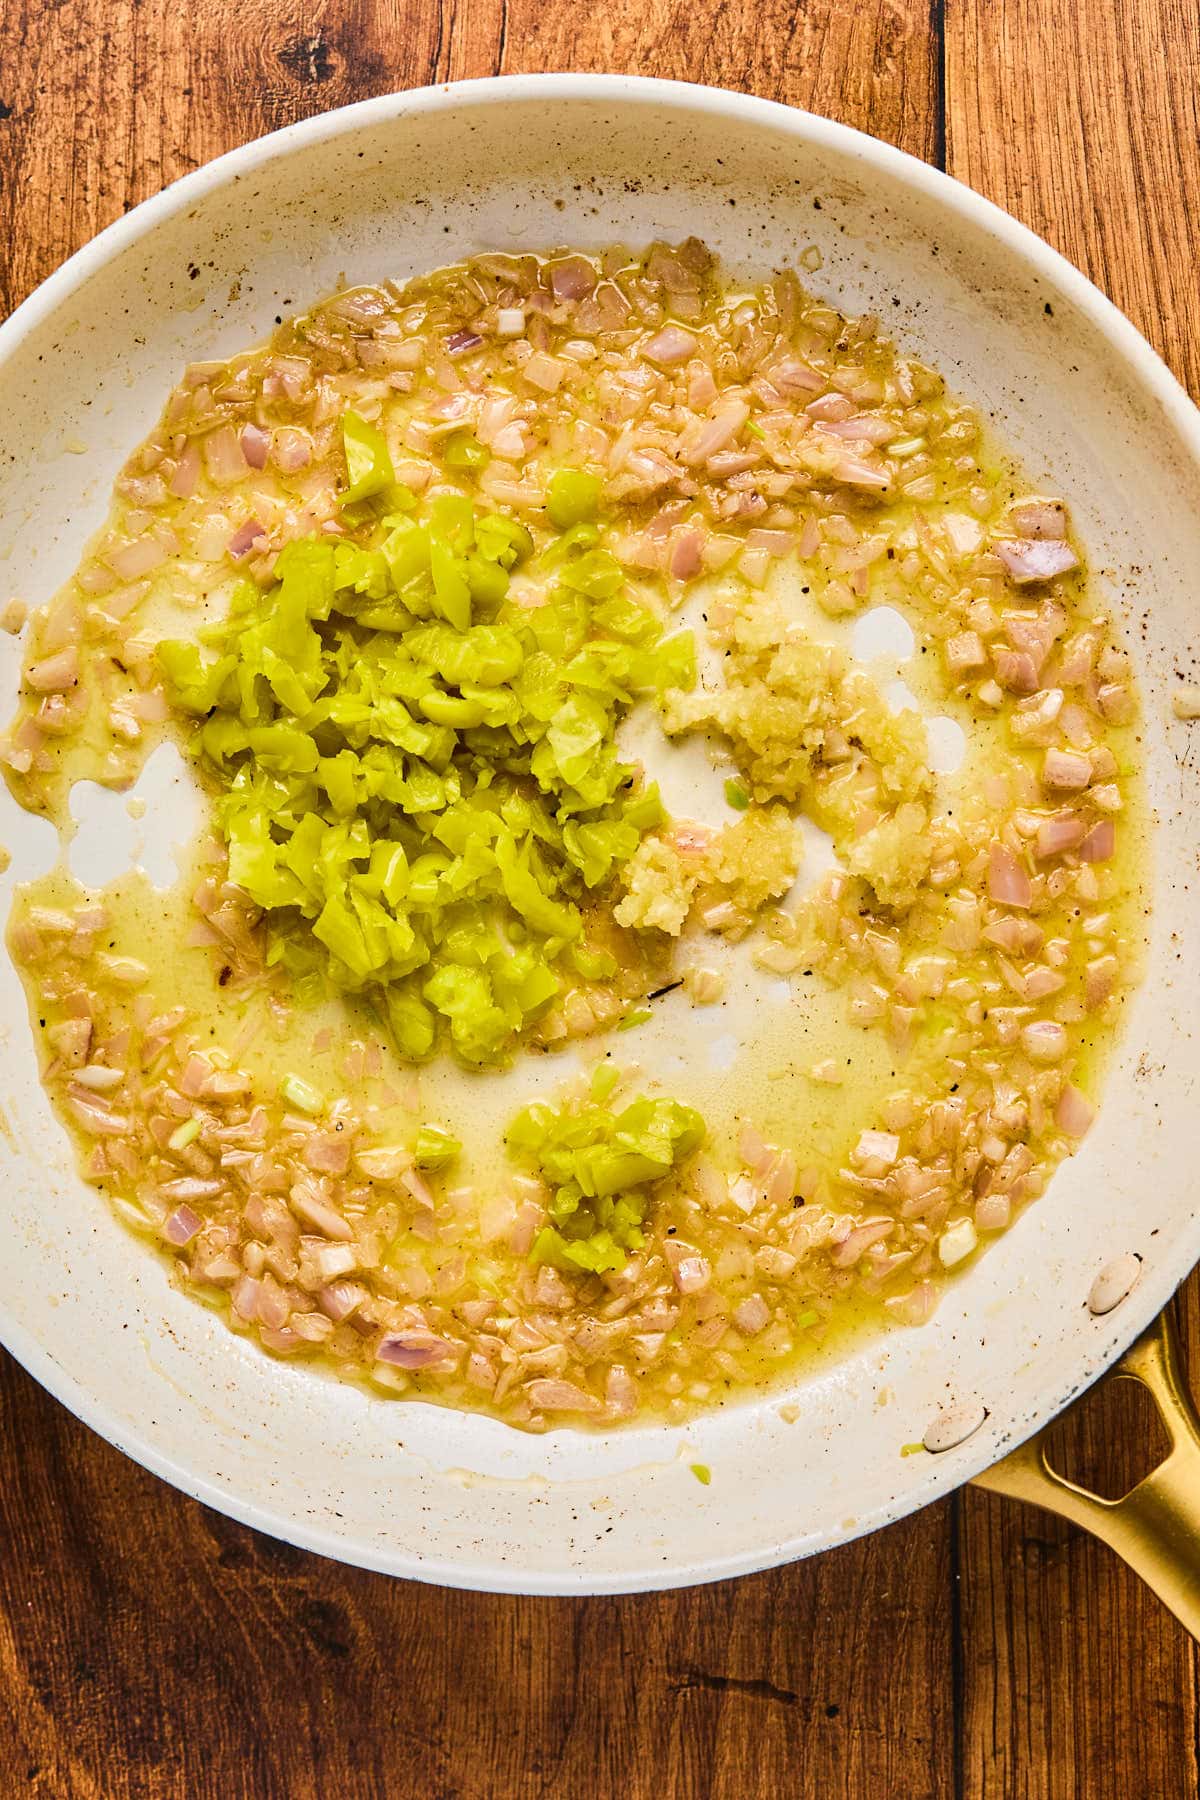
<point>873,64</point>
<point>1080,118</point>
<point>103,104</point>
<point>151,1648</point>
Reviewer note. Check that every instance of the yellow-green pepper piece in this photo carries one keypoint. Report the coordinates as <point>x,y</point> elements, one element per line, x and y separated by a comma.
<point>368,462</point>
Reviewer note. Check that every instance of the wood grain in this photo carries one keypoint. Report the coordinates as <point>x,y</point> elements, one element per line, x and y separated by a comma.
<point>105,101</point>
<point>150,1648</point>
<point>1081,117</point>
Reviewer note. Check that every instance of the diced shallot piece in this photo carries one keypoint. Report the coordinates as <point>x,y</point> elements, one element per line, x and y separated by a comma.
<point>688,1267</point>
<point>965,651</point>
<point>1044,519</point>
<point>416,1349</point>
<point>752,1315</point>
<point>1066,770</point>
<point>855,471</point>
<point>223,456</point>
<point>1035,559</point>
<point>312,1206</point>
<point>916,1307</point>
<point>704,438</point>
<point>187,471</point>
<point>244,1298</point>
<point>1061,831</point>
<point>875,1152</point>
<point>620,1392</point>
<point>1074,1112</point>
<point>864,428</point>
<point>384,1162</point>
<point>193,1187</point>
<point>71,1039</point>
<point>528,1218</point>
<point>670,345</point>
<point>182,1226</point>
<point>244,539</point>
<point>418,1187</point>
<point>1044,1041</point>
<point>1008,884</point>
<point>992,1212</point>
<point>753,1149</point>
<point>341,1298</point>
<point>255,445</point>
<point>136,558</point>
<point>847,1253</point>
<point>292,450</point>
<point>327,1152</point>
<point>544,372</point>
<point>1099,980</point>
<point>552,1395</point>
<point>333,1260</point>
<point>1017,671</point>
<point>97,1117</point>
<point>702,389</point>
<point>686,559</point>
<point>792,377</point>
<point>54,674</point>
<point>196,1073</point>
<point>1100,843</point>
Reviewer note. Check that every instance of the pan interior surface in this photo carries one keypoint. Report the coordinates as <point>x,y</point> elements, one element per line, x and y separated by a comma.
<point>396,187</point>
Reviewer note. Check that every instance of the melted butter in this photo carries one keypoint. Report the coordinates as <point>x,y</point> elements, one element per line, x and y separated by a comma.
<point>745,1058</point>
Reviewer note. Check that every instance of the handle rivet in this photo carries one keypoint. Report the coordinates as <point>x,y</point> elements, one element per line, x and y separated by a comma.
<point>1114,1283</point>
<point>953,1425</point>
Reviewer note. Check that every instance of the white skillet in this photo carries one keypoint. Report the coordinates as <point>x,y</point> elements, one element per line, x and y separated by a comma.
<point>395,186</point>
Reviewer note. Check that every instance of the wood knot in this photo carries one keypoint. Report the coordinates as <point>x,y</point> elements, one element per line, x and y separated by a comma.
<point>309,60</point>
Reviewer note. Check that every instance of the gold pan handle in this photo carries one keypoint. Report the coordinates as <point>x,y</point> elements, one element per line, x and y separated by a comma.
<point>1155,1527</point>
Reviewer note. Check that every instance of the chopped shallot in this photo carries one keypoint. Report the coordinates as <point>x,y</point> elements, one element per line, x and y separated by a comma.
<point>1074,1112</point>
<point>1100,843</point>
<point>1066,769</point>
<point>689,1268</point>
<point>55,674</point>
<point>1045,1041</point>
<point>671,345</point>
<point>415,1349</point>
<point>562,1396</point>
<point>1035,559</point>
<point>245,538</point>
<point>1008,884</point>
<point>182,1226</point>
<point>255,445</point>
<point>752,1315</point>
<point>1046,519</point>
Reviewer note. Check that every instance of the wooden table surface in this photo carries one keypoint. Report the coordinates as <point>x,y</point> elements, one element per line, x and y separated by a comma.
<point>149,1647</point>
